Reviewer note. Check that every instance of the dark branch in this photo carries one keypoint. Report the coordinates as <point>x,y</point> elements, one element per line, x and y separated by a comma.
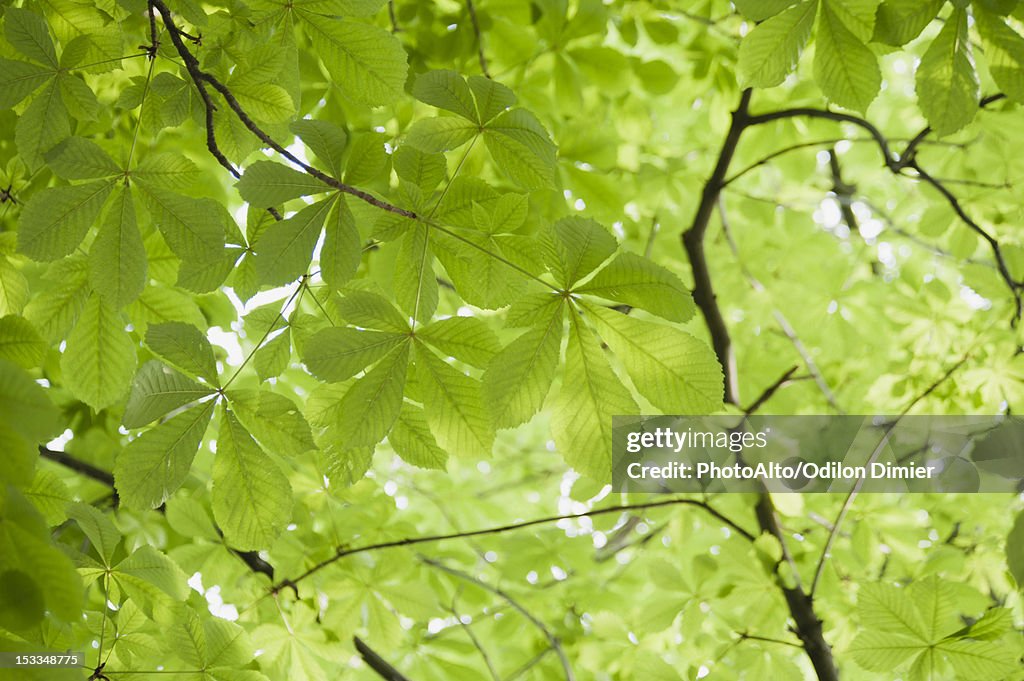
<point>343,552</point>
<point>203,79</point>
<point>771,390</point>
<point>479,38</point>
<point>376,662</point>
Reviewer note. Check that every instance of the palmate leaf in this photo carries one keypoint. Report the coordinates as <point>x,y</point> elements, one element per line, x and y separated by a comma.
<point>117,258</point>
<point>947,83</point>
<point>676,372</point>
<point>193,228</point>
<point>266,184</point>
<point>371,406</point>
<point>184,346</point>
<point>432,135</point>
<point>56,220</point>
<point>519,377</point>
<point>265,102</point>
<point>371,310</point>
<point>422,169</point>
<point>591,394</point>
<point>271,359</point>
<point>27,33</point>
<point>415,285</point>
<point>77,158</point>
<point>492,97</point>
<point>844,68</point>
<point>96,526</point>
<point>366,62</point>
<point>638,282</point>
<point>771,51</point>
<point>339,353</point>
<point>157,391</point>
<point>252,498</point>
<point>100,357</point>
<point>467,339</point>
<point>412,440</point>
<point>19,79</point>
<point>1004,52</point>
<point>286,248</point>
<point>151,578</point>
<point>575,247</point>
<point>454,406</point>
<point>42,125</point>
<point>154,464</point>
<point>274,420</point>
<point>325,139</point>
<point>522,149</point>
<point>342,250</point>
<point>446,90</point>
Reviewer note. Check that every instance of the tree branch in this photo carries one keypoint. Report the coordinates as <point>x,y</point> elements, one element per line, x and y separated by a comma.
<point>376,662</point>
<point>479,38</point>
<point>771,390</point>
<point>553,640</point>
<point>801,608</point>
<point>342,552</point>
<point>202,79</point>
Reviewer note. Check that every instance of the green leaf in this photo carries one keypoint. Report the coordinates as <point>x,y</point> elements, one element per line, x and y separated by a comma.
<point>154,464</point>
<point>947,84</point>
<point>676,372</point>
<point>1004,51</point>
<point>343,249</point>
<point>522,149</point>
<point>576,247</point>
<point>771,51</point>
<point>100,357</point>
<point>372,311</point>
<point>900,21</point>
<point>56,220</point>
<point>192,227</point>
<point>492,98</point>
<point>591,394</point>
<point>252,499</point>
<point>441,134</point>
<point>266,184</point>
<point>371,405</point>
<point>50,496</point>
<point>759,10</point>
<point>167,170</point>
<point>325,139</point>
<point>506,215</point>
<point>286,248</point>
<point>519,377</point>
<point>148,574</point>
<point>274,421</point>
<point>271,359</point>
<point>980,660</point>
<point>27,33</point>
<point>845,69</point>
<point>27,417</point>
<point>19,79</point>
<point>80,159</point>
<point>412,440</point>
<point>367,63</point>
<point>446,90</point>
<point>1015,550</point>
<point>883,651</point>
<point>117,258</point>
<point>454,407</point>
<point>467,339</point>
<point>422,169</point>
<point>13,289</point>
<point>367,159</point>
<point>42,125</point>
<point>184,346</point>
<point>20,343</point>
<point>415,284</point>
<point>96,526</point>
<point>265,102</point>
<point>339,353</point>
<point>638,282</point>
<point>158,390</point>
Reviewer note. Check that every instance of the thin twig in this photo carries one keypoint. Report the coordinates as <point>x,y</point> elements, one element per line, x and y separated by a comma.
<point>781,381</point>
<point>553,640</point>
<point>377,663</point>
<point>479,38</point>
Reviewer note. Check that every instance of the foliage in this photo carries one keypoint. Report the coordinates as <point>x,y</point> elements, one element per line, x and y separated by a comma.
<point>314,315</point>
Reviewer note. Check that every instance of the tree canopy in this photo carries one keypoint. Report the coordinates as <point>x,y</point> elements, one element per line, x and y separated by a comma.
<point>314,315</point>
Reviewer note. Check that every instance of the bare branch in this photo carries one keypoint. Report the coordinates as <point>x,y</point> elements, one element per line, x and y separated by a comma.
<point>479,38</point>
<point>553,640</point>
<point>376,662</point>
